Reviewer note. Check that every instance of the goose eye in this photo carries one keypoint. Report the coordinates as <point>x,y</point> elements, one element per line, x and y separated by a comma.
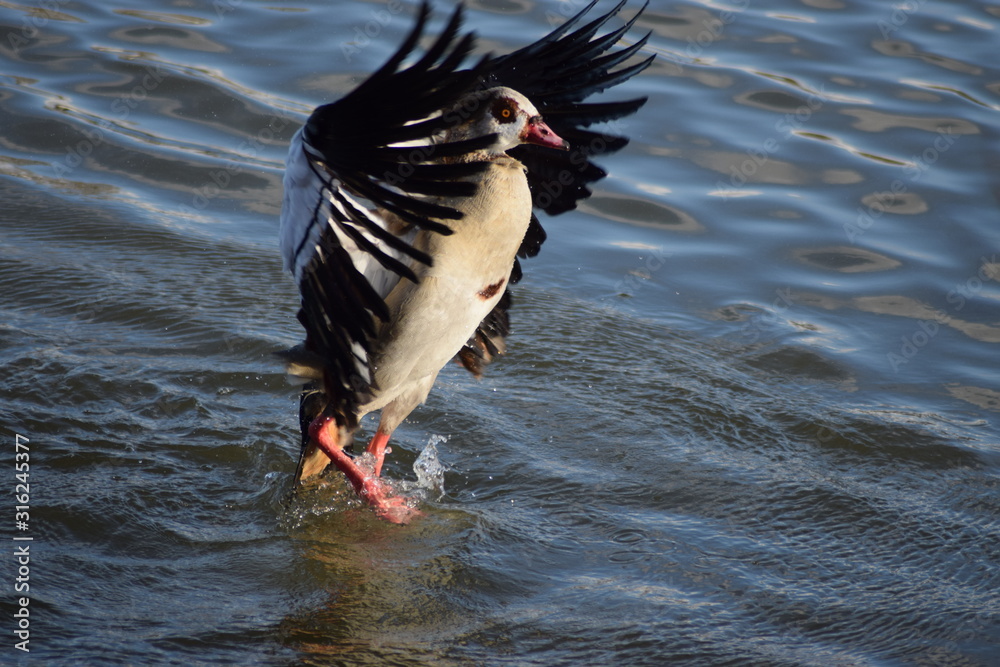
<point>503,111</point>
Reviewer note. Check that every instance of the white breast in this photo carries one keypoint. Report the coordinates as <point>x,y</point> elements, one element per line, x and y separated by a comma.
<point>435,318</point>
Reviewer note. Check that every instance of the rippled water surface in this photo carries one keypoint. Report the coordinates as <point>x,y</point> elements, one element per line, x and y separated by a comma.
<point>750,410</point>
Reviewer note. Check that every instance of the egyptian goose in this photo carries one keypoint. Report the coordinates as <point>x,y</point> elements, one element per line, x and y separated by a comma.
<point>406,205</point>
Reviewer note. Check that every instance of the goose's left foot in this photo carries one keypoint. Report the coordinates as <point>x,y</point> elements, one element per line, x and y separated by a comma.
<point>369,487</point>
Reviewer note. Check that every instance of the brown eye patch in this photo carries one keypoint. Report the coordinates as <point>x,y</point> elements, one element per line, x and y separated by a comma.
<point>503,110</point>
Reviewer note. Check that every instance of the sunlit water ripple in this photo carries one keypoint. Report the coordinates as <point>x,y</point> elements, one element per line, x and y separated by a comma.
<point>749,414</point>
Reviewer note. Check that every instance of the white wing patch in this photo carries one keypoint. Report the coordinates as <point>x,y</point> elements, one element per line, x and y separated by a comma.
<point>299,233</point>
<point>310,207</point>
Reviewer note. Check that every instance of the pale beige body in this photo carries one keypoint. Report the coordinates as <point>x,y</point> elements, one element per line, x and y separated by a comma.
<point>431,320</point>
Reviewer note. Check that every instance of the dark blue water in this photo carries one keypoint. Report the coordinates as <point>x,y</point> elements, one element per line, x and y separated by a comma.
<point>750,409</point>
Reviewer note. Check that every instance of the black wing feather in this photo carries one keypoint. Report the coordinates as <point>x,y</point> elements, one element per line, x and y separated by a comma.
<point>557,73</point>
<point>365,178</point>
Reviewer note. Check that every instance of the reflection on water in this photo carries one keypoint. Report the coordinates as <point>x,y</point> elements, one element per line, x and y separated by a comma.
<point>749,414</point>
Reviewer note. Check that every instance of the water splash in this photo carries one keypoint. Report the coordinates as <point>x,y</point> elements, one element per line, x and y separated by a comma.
<point>429,469</point>
<point>332,493</point>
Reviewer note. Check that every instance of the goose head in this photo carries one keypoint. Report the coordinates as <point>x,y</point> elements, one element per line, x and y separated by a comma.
<point>506,113</point>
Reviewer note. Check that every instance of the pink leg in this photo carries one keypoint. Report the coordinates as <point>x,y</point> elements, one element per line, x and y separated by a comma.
<point>377,449</point>
<point>325,434</point>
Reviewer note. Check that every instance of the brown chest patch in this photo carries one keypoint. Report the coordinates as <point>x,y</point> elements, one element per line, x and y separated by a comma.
<point>490,291</point>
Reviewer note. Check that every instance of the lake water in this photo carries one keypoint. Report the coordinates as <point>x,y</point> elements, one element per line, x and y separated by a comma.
<point>750,410</point>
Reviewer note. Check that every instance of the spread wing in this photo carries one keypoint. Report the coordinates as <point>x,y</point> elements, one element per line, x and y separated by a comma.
<point>359,183</point>
<point>557,73</point>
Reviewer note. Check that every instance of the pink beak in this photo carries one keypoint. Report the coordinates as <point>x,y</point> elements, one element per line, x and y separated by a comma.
<point>537,132</point>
